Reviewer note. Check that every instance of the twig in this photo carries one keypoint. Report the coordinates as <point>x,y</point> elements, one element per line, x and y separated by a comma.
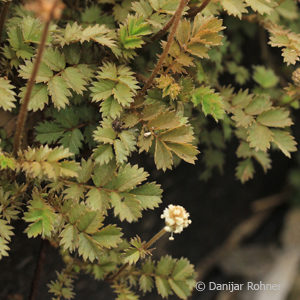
<point>24,107</point>
<point>164,29</point>
<point>158,66</point>
<point>38,270</point>
<point>195,10</point>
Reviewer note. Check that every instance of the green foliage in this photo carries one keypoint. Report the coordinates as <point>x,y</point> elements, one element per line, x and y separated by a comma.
<point>115,87</point>
<point>49,163</point>
<point>7,97</point>
<point>170,276</point>
<point>264,77</point>
<point>210,101</point>
<point>62,287</point>
<point>65,128</point>
<point>40,215</point>
<point>109,86</point>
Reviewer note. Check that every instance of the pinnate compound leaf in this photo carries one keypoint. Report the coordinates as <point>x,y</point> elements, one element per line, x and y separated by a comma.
<point>46,162</point>
<point>5,237</point>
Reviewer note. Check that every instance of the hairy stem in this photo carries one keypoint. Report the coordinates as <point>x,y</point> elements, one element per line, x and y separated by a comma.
<point>24,107</point>
<point>163,56</point>
<point>3,14</point>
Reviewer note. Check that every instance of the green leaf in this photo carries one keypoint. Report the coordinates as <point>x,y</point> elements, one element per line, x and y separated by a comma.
<point>45,162</point>
<point>146,283</point>
<point>105,135</point>
<point>41,216</point>
<point>245,170</point>
<point>265,77</point>
<point>162,156</point>
<point>284,141</point>
<point>59,92</point>
<point>110,107</point>
<point>32,29</point>
<point>132,32</point>
<point>15,38</point>
<point>89,221</point>
<point>5,237</point>
<point>277,117</point>
<point>127,178</point>
<point>127,209</point>
<point>234,7</point>
<point>103,154</point>
<point>148,194</point>
<point>259,137</point>
<point>39,97</point>
<point>109,236</point>
<point>74,79</point>
<point>73,140</point>
<point>211,102</point>
<point>182,269</point>
<point>165,266</point>
<point>7,95</point>
<point>98,199</point>
<point>102,89</point>
<point>259,104</point>
<point>104,173</point>
<point>44,73</point>
<point>187,152</point>
<point>48,132</point>
<point>88,248</point>
<point>163,286</point>
<point>54,59</point>
<point>261,6</point>
<point>69,238</point>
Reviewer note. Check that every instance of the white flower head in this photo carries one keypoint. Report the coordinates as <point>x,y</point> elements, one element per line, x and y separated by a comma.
<point>176,219</point>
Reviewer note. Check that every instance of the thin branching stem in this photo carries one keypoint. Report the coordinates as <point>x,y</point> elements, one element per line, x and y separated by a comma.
<point>191,13</point>
<point>146,246</point>
<point>163,56</point>
<point>24,107</point>
<point>196,10</point>
<point>164,29</point>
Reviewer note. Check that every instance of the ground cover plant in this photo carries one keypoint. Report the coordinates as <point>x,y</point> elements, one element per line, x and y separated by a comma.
<point>89,89</point>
